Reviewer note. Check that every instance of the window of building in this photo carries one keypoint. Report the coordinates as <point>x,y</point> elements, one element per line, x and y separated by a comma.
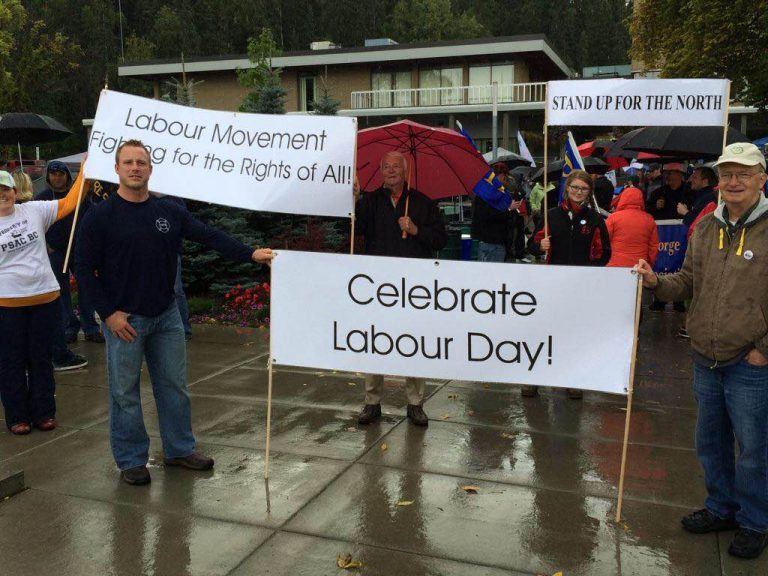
<point>441,86</point>
<point>481,78</point>
<point>394,87</point>
<point>307,92</point>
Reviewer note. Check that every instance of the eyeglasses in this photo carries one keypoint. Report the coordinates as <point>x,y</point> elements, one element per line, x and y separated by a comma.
<point>578,189</point>
<point>742,177</point>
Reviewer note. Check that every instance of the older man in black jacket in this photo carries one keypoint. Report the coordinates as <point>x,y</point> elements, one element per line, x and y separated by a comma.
<point>397,221</point>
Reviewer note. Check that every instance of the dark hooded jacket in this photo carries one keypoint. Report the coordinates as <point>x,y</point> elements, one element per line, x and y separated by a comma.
<point>57,236</point>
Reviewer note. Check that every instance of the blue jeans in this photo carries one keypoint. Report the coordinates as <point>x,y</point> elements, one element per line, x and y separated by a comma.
<point>159,340</point>
<point>26,370</point>
<point>181,299</point>
<point>490,252</point>
<point>733,402</point>
<point>70,322</point>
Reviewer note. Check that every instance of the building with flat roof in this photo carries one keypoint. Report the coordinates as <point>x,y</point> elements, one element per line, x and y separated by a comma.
<point>436,83</point>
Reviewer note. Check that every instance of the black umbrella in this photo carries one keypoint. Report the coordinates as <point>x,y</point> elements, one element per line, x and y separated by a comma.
<point>28,128</point>
<point>524,171</point>
<point>555,169</point>
<point>595,165</point>
<point>682,141</point>
<point>616,149</point>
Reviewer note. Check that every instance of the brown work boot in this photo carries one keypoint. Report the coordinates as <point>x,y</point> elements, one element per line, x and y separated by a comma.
<point>369,413</point>
<point>194,461</point>
<point>137,476</point>
<point>417,416</point>
<point>529,391</point>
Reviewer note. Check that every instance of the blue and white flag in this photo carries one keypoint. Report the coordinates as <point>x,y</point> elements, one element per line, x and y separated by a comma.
<point>489,188</point>
<point>524,152</point>
<point>571,161</point>
<point>464,133</point>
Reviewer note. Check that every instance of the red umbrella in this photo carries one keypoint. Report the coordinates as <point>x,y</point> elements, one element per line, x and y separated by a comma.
<point>597,149</point>
<point>442,162</point>
<point>594,148</point>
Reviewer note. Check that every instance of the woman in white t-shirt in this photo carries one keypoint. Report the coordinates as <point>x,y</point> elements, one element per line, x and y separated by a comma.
<point>29,307</point>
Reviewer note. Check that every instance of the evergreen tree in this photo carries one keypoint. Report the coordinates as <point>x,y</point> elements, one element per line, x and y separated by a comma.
<point>325,105</point>
<point>267,96</point>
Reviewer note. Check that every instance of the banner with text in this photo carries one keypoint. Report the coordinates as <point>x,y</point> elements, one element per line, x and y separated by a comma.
<point>640,102</point>
<point>276,163</point>
<point>673,242</point>
<point>479,321</point>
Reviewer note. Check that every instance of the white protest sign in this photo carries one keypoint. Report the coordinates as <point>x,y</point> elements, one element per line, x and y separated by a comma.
<point>275,163</point>
<point>640,102</point>
<point>476,321</point>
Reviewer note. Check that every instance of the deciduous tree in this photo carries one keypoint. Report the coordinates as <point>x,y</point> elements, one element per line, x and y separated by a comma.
<point>716,38</point>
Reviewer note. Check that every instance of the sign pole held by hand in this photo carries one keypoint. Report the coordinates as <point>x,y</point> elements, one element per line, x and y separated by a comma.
<point>407,198</point>
<point>269,391</point>
<point>726,109</point>
<point>630,390</point>
<point>74,223</point>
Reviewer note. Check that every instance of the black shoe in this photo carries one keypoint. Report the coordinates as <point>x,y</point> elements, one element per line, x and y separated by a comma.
<point>657,306</point>
<point>678,306</point>
<point>188,336</point>
<point>74,362</point>
<point>417,416</point>
<point>138,476</point>
<point>748,543</point>
<point>369,413</point>
<point>194,461</point>
<point>683,333</point>
<point>703,521</point>
<point>97,337</point>
<point>71,338</point>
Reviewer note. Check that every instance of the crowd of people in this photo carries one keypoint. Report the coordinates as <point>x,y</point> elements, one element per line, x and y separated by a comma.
<point>127,264</point>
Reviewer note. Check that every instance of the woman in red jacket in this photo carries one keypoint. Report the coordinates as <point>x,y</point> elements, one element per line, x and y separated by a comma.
<point>632,231</point>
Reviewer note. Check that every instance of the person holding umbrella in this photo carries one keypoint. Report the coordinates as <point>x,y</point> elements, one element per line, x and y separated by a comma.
<point>397,221</point>
<point>576,236</point>
<point>29,307</point>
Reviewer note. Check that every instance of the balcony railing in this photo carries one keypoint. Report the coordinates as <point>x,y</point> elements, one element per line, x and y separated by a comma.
<point>451,96</point>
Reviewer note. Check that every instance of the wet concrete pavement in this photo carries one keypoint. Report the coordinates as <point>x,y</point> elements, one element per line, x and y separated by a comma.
<point>391,495</point>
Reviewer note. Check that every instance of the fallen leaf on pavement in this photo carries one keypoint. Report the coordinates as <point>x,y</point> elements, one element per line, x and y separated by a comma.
<point>445,417</point>
<point>347,562</point>
<point>405,502</point>
<point>470,489</point>
<point>352,383</point>
<point>453,396</point>
<point>471,413</point>
<point>508,435</point>
<point>351,429</point>
<point>384,447</point>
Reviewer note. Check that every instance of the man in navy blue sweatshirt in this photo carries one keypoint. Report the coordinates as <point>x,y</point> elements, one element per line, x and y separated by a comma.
<point>127,257</point>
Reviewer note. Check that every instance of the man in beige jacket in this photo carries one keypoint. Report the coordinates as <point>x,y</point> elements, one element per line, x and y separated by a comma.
<point>726,275</point>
